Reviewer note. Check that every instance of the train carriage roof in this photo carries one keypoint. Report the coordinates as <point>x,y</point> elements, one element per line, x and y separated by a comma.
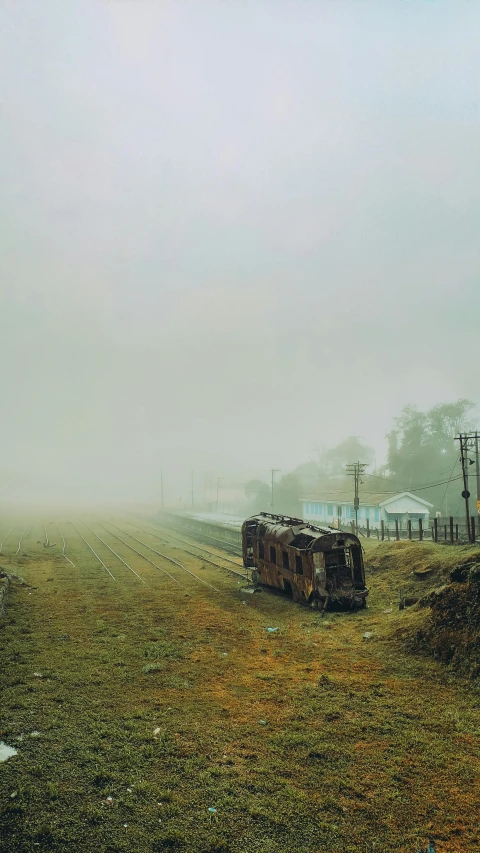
<point>294,531</point>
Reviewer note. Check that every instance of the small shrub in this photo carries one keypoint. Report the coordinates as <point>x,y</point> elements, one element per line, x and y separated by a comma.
<point>162,650</point>
<point>152,667</point>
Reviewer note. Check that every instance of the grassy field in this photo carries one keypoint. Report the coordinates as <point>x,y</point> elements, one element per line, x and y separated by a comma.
<point>157,717</point>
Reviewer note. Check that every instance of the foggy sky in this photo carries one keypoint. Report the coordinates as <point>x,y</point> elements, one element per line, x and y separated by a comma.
<point>230,231</point>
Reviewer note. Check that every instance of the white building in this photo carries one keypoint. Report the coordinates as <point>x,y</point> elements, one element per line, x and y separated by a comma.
<point>338,511</point>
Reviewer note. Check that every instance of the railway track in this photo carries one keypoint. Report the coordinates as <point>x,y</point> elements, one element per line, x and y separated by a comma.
<point>165,557</point>
<point>199,556</point>
<point>5,539</point>
<point>93,551</point>
<point>194,544</point>
<point>20,541</point>
<point>114,553</point>
<point>127,544</point>
<point>203,536</point>
<point>64,546</point>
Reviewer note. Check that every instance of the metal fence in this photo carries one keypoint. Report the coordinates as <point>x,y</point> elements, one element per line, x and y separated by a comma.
<point>448,530</point>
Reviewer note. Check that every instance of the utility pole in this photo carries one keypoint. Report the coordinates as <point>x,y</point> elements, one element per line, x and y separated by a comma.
<point>161,486</point>
<point>273,472</point>
<point>355,470</point>
<point>219,480</point>
<point>477,465</point>
<point>467,440</point>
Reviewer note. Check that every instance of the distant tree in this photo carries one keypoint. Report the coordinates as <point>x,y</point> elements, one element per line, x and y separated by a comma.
<point>259,494</point>
<point>446,420</point>
<point>352,449</point>
<point>287,495</point>
<point>422,451</point>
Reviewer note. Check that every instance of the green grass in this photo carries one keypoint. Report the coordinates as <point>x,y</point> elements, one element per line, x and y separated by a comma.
<point>311,739</point>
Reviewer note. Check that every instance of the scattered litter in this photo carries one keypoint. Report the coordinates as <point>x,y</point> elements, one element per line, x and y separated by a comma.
<point>156,731</point>
<point>263,722</point>
<point>129,790</point>
<point>367,635</point>
<point>212,810</point>
<point>6,751</point>
<point>388,610</point>
<point>38,675</point>
<point>125,825</point>
<point>13,794</point>
<point>244,602</point>
<point>64,637</point>
<point>249,591</point>
<point>224,654</point>
<point>271,630</point>
<point>109,800</point>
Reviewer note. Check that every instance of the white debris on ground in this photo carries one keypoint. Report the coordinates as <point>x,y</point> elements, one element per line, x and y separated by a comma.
<point>6,751</point>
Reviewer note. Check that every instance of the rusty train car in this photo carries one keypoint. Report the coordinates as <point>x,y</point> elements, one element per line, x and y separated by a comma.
<point>320,567</point>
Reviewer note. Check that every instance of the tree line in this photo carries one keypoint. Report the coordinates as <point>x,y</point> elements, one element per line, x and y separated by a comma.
<point>421,455</point>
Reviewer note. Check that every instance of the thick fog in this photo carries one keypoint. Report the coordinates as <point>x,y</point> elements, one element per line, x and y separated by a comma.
<point>231,232</point>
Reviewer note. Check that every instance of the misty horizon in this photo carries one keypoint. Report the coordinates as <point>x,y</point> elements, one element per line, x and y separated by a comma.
<point>232,233</point>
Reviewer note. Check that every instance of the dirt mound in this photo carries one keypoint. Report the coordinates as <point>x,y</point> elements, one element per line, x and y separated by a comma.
<point>408,571</point>
<point>447,622</point>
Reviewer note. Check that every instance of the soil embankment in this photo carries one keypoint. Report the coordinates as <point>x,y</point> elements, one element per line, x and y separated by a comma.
<point>442,587</point>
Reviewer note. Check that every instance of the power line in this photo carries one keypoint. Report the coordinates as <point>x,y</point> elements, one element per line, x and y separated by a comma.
<point>411,488</point>
<point>448,483</point>
<point>400,485</point>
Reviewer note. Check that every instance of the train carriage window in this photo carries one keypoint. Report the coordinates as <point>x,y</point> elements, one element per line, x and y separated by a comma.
<point>261,550</point>
<point>285,560</point>
<point>298,564</point>
<point>273,554</point>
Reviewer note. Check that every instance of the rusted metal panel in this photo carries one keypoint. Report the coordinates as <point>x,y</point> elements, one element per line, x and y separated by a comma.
<point>316,566</point>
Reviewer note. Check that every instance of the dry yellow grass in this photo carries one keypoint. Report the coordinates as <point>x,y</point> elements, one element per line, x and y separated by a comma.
<point>309,739</point>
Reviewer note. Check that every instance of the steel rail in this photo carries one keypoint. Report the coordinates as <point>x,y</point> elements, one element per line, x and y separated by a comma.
<point>115,536</point>
<point>64,546</point>
<point>93,552</point>
<point>114,552</point>
<point>223,542</point>
<point>20,540</point>
<point>199,547</point>
<point>201,557</point>
<point>6,537</point>
<point>165,557</point>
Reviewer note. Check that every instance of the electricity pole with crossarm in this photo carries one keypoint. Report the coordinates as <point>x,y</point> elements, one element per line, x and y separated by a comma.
<point>355,470</point>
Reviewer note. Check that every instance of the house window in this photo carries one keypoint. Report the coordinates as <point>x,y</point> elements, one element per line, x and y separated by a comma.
<point>339,511</point>
<point>285,560</point>
<point>261,549</point>
<point>376,513</point>
<point>348,511</point>
<point>329,509</point>
<point>273,554</point>
<point>367,512</point>
<point>298,564</point>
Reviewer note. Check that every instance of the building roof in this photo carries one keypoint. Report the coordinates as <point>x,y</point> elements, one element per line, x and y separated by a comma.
<point>408,495</point>
<point>366,498</point>
<point>342,497</point>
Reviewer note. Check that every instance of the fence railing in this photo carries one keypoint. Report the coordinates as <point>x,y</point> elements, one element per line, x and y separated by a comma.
<point>443,530</point>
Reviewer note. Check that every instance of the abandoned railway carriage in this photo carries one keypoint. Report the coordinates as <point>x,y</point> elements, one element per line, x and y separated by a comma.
<point>316,566</point>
